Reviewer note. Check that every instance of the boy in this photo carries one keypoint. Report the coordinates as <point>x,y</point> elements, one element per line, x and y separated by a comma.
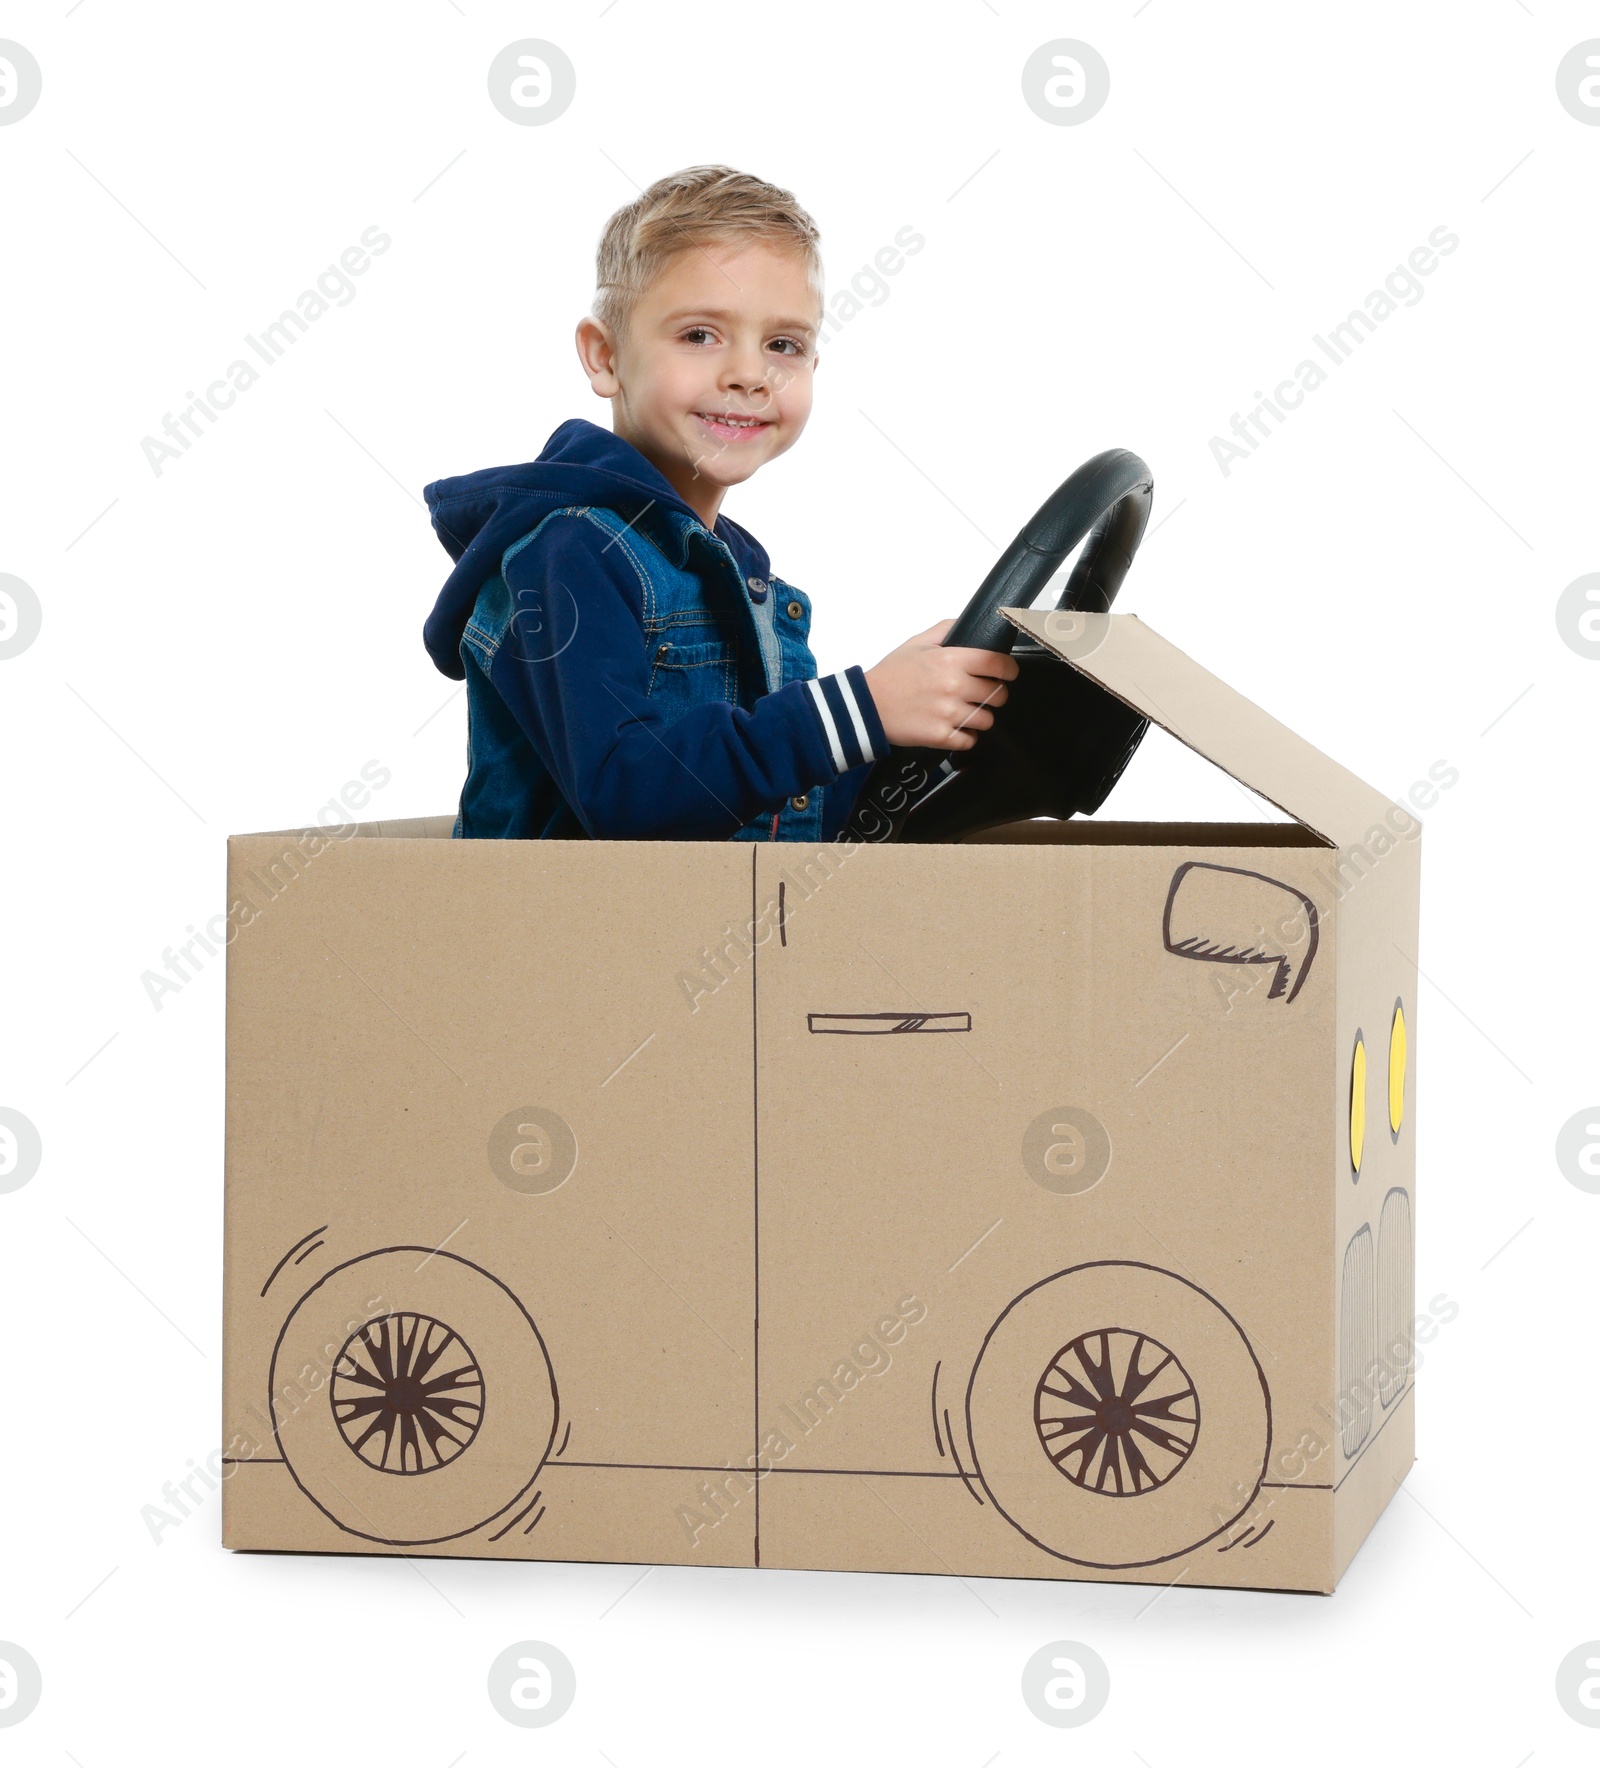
<point>633,667</point>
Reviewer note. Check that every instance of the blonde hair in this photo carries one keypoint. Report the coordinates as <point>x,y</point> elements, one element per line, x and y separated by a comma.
<point>699,206</point>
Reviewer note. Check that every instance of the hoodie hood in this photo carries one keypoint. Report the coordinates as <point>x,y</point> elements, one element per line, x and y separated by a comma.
<point>480,516</point>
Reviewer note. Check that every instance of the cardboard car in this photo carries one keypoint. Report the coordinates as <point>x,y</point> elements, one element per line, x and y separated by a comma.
<point>1032,1205</point>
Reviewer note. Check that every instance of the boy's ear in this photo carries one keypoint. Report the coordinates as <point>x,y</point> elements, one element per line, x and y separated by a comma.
<point>598,353</point>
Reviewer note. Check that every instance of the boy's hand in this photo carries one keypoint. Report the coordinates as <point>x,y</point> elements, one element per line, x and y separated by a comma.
<point>933,696</point>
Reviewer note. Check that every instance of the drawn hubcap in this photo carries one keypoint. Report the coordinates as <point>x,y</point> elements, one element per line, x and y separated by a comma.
<point>407,1394</point>
<point>1116,1412</point>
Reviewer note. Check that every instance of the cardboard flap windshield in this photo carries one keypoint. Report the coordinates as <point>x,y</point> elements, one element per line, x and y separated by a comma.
<point>1038,1205</point>
<point>1145,671</point>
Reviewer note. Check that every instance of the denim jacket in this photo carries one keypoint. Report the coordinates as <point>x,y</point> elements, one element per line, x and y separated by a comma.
<point>631,673</point>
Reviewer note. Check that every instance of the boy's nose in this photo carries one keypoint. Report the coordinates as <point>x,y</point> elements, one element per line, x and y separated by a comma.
<point>746,373</point>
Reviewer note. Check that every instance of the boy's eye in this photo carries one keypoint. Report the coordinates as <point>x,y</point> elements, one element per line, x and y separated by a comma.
<point>702,334</point>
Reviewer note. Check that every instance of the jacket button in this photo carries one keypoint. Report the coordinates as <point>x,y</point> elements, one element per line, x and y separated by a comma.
<point>795,610</point>
<point>799,803</point>
<point>757,588</point>
<point>661,650</point>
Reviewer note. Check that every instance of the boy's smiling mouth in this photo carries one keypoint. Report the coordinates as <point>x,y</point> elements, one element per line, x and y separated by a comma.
<point>731,426</point>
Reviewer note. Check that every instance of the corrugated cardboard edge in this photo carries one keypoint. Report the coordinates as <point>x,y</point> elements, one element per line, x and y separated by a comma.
<point>1378,914</point>
<point>1125,657</point>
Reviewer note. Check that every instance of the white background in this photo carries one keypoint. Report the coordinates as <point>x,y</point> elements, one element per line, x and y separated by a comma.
<point>226,643</point>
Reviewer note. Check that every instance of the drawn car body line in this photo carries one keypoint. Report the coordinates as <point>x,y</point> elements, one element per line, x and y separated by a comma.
<point>290,1253</point>
<point>1395,1281</point>
<point>1358,1339</point>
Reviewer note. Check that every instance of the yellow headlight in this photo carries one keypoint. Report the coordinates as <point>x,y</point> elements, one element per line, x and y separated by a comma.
<point>1397,1070</point>
<point>1358,1104</point>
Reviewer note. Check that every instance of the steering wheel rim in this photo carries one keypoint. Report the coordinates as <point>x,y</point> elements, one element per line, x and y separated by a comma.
<point>1107,499</point>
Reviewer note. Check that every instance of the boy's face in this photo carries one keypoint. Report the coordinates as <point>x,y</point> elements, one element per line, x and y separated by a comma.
<point>724,333</point>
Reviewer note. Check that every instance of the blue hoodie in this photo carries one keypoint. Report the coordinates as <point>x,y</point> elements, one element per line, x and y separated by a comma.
<point>630,673</point>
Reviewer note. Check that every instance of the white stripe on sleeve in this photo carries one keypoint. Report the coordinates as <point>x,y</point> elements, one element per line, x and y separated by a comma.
<point>828,726</point>
<point>856,719</point>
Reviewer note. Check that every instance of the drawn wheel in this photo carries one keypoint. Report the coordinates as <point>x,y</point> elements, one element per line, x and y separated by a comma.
<point>1117,1413</point>
<point>1118,1416</point>
<point>374,1376</point>
<point>407,1394</point>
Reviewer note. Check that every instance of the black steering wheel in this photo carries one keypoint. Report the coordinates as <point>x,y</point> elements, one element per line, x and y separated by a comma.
<point>1060,742</point>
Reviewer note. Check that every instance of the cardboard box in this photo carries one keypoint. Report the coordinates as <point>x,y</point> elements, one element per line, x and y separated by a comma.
<point>1034,1206</point>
